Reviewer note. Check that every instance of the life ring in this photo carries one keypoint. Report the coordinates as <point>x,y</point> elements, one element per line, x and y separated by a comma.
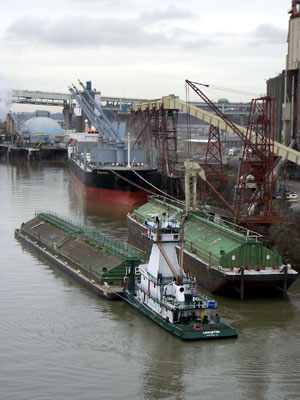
<point>198,328</point>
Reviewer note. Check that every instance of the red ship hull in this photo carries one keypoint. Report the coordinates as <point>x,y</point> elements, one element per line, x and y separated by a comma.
<point>109,196</point>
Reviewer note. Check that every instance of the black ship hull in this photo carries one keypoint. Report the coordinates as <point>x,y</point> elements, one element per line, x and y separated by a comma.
<point>120,185</point>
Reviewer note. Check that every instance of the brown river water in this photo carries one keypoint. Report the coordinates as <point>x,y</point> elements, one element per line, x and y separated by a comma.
<point>60,341</point>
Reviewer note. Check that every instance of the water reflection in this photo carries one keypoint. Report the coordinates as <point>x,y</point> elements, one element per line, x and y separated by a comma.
<point>109,218</point>
<point>163,374</point>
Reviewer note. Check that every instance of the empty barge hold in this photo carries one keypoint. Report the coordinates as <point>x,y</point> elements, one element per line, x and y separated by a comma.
<point>98,261</point>
<point>225,258</point>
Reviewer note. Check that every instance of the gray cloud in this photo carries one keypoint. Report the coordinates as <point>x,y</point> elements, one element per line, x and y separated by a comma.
<point>268,34</point>
<point>191,40</point>
<point>83,31</point>
<point>198,44</point>
<point>171,13</point>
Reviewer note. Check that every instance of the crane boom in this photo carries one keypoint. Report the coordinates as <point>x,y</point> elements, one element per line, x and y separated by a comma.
<point>88,111</point>
<point>99,123</point>
<point>215,108</point>
<point>108,124</point>
<point>174,103</point>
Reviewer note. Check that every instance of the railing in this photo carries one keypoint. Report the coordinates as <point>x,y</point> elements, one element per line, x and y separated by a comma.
<point>66,224</point>
<point>114,246</point>
<point>206,256</point>
<point>179,305</point>
<point>175,205</point>
<point>230,228</point>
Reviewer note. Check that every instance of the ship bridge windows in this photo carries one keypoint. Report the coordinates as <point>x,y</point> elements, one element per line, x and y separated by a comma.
<point>170,230</point>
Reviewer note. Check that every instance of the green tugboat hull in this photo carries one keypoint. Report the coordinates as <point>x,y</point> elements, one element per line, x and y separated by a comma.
<point>216,330</point>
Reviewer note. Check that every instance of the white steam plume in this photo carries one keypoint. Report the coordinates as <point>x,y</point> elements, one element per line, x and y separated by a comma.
<point>5,98</point>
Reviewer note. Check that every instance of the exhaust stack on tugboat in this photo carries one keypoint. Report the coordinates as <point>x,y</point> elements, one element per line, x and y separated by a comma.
<point>167,295</point>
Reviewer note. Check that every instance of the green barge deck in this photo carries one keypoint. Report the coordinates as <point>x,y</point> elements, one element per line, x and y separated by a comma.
<point>224,257</point>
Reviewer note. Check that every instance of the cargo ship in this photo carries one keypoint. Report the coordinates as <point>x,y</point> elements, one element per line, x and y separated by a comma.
<point>167,295</point>
<point>101,170</point>
<point>225,258</point>
<point>113,184</point>
<point>105,163</point>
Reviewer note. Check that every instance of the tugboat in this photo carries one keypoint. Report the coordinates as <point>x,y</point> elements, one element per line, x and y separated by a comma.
<point>167,295</point>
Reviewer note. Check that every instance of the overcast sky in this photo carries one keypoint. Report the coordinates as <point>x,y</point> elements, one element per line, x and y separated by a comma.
<point>143,49</point>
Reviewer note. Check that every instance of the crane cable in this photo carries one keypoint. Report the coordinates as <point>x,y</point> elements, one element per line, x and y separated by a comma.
<point>229,90</point>
<point>131,183</point>
<point>142,188</point>
<point>161,191</point>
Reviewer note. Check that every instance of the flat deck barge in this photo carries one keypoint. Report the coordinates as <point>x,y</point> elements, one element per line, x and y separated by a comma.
<point>96,260</point>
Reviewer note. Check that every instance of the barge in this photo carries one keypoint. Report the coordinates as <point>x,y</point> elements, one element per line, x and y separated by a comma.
<point>96,260</point>
<point>225,258</point>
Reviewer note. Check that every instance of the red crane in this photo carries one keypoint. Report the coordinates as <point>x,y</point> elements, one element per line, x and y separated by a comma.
<point>254,188</point>
<point>156,129</point>
<point>213,164</point>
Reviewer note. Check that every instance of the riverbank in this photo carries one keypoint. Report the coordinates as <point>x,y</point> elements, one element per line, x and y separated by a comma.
<point>38,153</point>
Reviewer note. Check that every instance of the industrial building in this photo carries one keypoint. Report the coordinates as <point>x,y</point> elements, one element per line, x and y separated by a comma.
<point>285,88</point>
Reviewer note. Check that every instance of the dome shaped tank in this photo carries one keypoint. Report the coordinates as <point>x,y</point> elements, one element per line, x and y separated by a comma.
<point>223,101</point>
<point>42,128</point>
